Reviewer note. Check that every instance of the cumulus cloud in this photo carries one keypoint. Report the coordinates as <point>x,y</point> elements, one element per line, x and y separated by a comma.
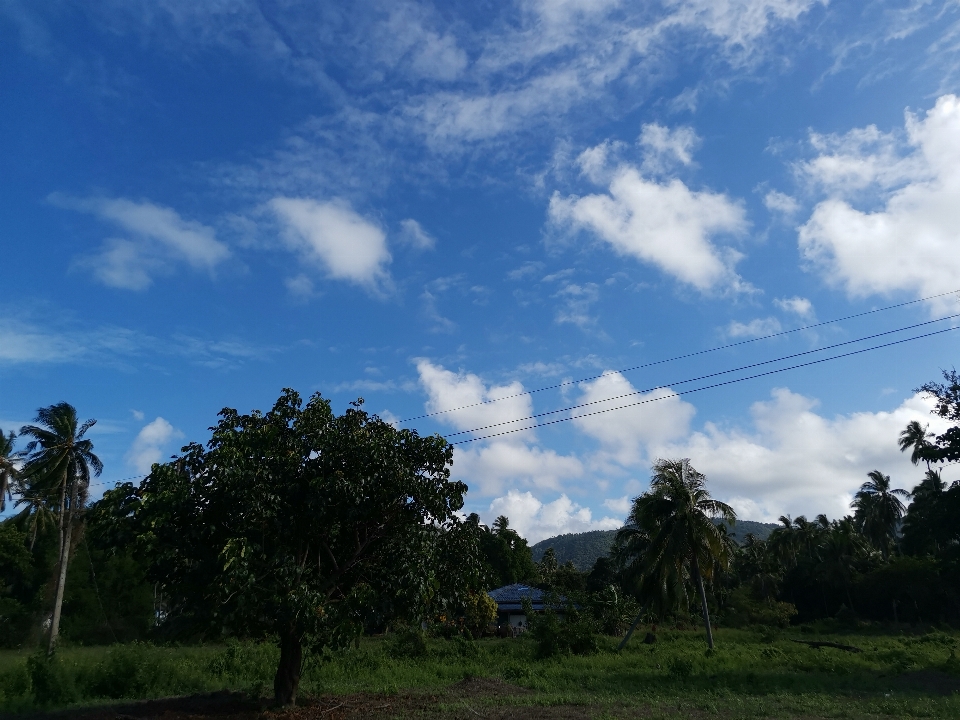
<point>536,520</point>
<point>795,305</point>
<point>781,203</point>
<point>157,239</point>
<point>624,435</point>
<point>795,461</point>
<point>909,241</point>
<point>510,461</point>
<point>755,328</point>
<point>664,224</point>
<point>148,446</point>
<point>335,237</point>
<point>665,147</point>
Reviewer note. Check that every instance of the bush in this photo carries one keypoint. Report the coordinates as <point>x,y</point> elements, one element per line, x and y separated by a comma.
<point>49,680</point>
<point>480,611</point>
<point>575,634</point>
<point>407,642</point>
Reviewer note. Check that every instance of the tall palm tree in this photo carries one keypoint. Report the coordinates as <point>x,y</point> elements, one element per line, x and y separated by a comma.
<point>915,436</point>
<point>58,468</point>
<point>878,510</point>
<point>8,468</point>
<point>676,515</point>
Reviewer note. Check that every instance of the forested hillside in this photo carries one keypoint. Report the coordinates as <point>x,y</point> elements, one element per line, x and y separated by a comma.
<point>584,548</point>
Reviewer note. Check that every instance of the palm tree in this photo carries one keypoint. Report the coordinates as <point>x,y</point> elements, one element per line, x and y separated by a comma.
<point>878,510</point>
<point>915,436</point>
<point>57,471</point>
<point>8,468</point>
<point>676,516</point>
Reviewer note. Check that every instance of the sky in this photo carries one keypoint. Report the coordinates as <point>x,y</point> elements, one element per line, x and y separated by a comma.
<point>440,205</point>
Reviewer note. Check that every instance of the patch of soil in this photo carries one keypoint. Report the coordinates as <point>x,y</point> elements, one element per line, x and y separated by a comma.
<point>485,687</point>
<point>933,682</point>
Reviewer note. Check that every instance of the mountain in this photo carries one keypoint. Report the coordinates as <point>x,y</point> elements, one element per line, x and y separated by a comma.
<point>584,548</point>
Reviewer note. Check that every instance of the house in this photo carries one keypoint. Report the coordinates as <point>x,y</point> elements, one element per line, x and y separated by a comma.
<point>509,601</point>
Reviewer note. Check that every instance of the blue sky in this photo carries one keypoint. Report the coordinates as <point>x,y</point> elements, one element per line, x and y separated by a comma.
<point>435,205</point>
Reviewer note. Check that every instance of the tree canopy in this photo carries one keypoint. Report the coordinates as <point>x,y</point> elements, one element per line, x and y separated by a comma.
<point>305,525</point>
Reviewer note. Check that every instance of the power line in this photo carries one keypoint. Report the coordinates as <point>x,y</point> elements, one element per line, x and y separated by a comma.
<point>566,383</point>
<point>706,387</point>
<point>704,377</point>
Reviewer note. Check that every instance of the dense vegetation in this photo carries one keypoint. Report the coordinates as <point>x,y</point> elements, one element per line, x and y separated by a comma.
<point>311,531</point>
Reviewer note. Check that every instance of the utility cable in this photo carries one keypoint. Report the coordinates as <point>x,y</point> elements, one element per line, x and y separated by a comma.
<point>566,383</point>
<point>706,387</point>
<point>701,377</point>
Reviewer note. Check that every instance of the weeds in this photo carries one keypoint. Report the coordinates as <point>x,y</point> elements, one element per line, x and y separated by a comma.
<point>748,674</point>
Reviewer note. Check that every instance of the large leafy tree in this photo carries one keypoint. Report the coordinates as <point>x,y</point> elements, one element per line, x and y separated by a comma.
<point>56,475</point>
<point>946,398</point>
<point>674,524</point>
<point>305,525</point>
<point>878,510</point>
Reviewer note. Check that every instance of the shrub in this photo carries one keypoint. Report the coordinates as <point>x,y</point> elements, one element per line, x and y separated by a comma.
<point>49,680</point>
<point>407,642</point>
<point>480,611</point>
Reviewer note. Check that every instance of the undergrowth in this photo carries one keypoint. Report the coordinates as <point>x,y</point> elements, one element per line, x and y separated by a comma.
<point>760,672</point>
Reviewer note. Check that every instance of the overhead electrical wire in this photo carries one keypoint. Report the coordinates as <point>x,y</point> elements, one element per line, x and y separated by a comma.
<point>694,390</point>
<point>566,383</point>
<point>708,375</point>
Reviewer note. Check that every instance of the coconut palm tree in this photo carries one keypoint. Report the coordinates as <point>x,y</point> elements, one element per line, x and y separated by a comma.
<point>57,472</point>
<point>8,468</point>
<point>878,510</point>
<point>676,516</point>
<point>915,436</point>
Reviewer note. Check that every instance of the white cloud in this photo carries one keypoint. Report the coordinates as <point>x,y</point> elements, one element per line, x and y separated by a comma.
<point>754,328</point>
<point>796,305</point>
<point>577,300</point>
<point>148,447</point>
<point>413,234</point>
<point>665,147</point>
<point>781,203</point>
<point>909,243</point>
<point>536,520</point>
<point>160,239</point>
<point>794,461</point>
<point>509,461</point>
<point>335,237</point>
<point>739,23</point>
<point>625,434</point>
<point>22,341</point>
<point>664,224</point>
<point>620,506</point>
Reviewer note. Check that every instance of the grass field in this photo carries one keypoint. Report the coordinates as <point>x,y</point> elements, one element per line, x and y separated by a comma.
<point>750,674</point>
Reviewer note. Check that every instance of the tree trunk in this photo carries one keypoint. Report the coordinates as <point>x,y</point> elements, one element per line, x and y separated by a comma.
<point>287,680</point>
<point>61,583</point>
<point>633,627</point>
<point>695,568</point>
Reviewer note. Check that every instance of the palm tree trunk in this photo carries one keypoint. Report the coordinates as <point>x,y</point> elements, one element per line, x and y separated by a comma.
<point>61,583</point>
<point>695,571</point>
<point>633,627</point>
<point>67,524</point>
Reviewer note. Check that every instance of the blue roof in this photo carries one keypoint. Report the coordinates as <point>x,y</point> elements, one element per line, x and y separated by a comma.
<point>510,597</point>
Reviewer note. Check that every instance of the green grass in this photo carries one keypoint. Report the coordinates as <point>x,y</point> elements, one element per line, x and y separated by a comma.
<point>750,674</point>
